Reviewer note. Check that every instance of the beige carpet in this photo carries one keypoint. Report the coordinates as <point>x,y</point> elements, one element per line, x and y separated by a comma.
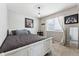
<point>59,50</point>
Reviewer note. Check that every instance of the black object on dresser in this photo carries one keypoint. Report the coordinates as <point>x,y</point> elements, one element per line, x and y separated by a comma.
<point>40,33</point>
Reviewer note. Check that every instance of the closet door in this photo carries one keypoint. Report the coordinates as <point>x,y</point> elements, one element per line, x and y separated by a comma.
<point>74,33</point>
<point>74,36</point>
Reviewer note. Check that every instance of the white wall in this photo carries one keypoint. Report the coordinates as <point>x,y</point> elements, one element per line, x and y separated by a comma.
<point>17,21</point>
<point>3,22</point>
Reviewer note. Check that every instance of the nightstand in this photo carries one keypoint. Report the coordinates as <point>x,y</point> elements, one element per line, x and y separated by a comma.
<point>40,33</point>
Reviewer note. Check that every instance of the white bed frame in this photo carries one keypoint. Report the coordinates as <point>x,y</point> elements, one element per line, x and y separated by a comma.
<point>39,48</point>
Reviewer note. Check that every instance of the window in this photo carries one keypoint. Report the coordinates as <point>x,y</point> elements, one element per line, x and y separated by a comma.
<point>53,25</point>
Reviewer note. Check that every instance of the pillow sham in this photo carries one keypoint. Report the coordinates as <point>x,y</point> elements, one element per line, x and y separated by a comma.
<point>21,32</point>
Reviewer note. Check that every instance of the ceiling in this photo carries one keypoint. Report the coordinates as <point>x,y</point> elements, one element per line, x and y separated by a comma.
<point>30,9</point>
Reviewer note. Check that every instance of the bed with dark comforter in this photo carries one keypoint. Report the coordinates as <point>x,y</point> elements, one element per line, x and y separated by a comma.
<point>16,41</point>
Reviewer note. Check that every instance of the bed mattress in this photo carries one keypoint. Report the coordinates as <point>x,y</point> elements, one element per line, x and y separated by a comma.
<point>13,42</point>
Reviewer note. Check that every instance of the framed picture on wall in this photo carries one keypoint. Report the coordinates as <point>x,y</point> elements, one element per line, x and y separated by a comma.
<point>72,19</point>
<point>29,23</point>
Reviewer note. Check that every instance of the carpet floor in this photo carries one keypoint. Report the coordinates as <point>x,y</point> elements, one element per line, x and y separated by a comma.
<point>60,50</point>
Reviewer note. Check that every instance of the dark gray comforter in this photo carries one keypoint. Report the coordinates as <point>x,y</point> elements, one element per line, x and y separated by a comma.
<point>13,42</point>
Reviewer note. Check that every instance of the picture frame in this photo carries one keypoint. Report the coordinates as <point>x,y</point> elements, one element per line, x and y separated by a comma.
<point>72,19</point>
<point>29,23</point>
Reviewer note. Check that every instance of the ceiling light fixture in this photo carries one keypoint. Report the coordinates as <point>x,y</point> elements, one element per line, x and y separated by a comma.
<point>38,11</point>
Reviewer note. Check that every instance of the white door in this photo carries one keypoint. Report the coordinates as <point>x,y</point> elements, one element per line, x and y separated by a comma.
<point>74,33</point>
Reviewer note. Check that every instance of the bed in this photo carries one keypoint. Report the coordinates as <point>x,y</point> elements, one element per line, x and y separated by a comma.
<point>26,45</point>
